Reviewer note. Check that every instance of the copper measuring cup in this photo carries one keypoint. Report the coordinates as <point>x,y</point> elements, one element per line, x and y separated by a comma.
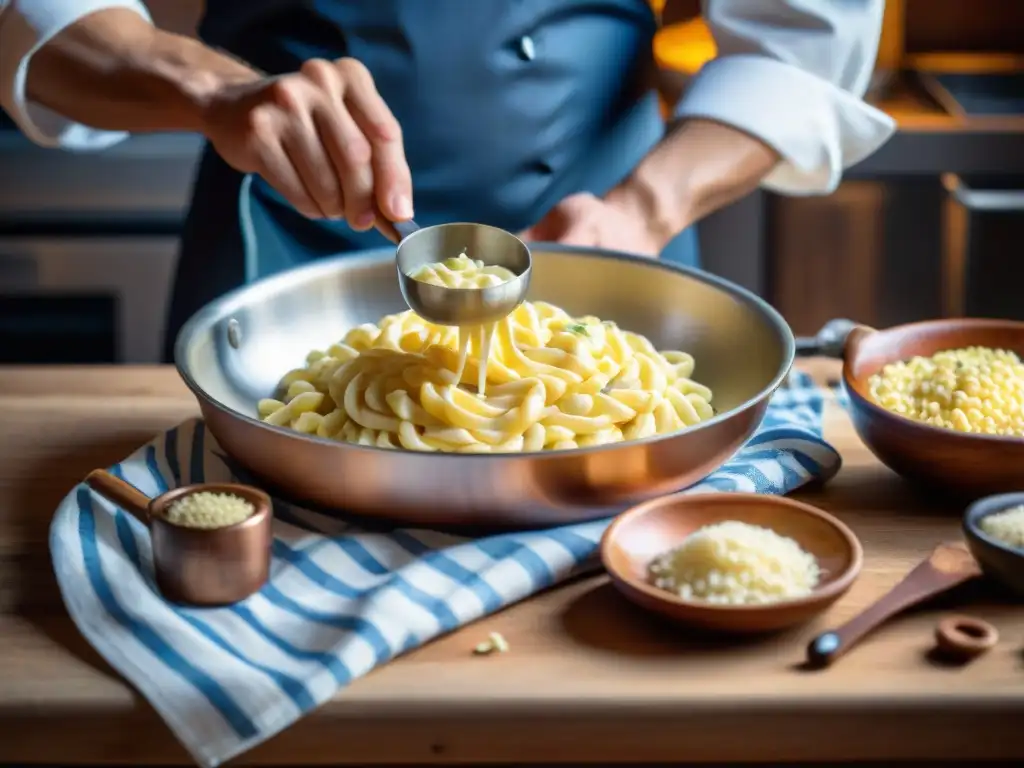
<point>199,566</point>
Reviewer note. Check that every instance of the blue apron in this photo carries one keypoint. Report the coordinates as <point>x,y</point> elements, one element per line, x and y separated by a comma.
<point>508,107</point>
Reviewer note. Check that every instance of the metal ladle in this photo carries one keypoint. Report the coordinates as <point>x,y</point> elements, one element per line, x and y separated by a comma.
<point>461,306</point>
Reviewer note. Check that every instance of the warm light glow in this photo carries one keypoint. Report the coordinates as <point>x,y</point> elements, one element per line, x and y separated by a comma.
<point>890,47</point>
<point>684,47</point>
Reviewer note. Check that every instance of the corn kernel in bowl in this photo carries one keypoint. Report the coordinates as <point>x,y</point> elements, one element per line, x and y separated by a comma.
<point>975,390</point>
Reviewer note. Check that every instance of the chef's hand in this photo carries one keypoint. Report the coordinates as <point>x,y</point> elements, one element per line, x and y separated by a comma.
<point>617,222</point>
<point>323,137</point>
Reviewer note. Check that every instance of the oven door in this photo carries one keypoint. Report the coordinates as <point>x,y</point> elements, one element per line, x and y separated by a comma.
<point>84,299</point>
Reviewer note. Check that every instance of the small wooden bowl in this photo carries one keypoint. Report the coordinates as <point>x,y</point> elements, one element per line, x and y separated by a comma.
<point>642,533</point>
<point>998,561</point>
<point>964,464</point>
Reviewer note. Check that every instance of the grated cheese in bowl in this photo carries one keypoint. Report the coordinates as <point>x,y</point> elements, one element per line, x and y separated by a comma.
<point>1006,526</point>
<point>209,510</point>
<point>735,563</point>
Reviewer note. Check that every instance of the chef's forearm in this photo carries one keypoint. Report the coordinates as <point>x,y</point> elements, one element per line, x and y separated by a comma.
<point>699,167</point>
<point>114,70</point>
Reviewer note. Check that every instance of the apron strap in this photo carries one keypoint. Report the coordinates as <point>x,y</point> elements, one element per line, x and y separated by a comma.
<point>275,237</point>
<point>250,242</point>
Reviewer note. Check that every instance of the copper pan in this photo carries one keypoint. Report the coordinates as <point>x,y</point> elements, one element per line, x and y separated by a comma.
<point>235,350</point>
<point>966,465</point>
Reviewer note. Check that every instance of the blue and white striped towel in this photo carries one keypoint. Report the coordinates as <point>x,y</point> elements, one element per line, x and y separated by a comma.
<point>340,600</point>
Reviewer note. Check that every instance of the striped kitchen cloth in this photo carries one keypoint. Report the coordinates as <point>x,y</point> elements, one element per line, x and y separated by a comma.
<point>341,600</point>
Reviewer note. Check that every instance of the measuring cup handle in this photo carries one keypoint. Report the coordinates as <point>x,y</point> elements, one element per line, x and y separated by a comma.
<point>396,231</point>
<point>116,490</point>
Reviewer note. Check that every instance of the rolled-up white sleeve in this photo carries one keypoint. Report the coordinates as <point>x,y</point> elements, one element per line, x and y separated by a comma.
<point>25,27</point>
<point>792,73</point>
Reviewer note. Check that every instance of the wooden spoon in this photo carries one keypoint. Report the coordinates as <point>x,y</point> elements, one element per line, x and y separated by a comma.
<point>948,566</point>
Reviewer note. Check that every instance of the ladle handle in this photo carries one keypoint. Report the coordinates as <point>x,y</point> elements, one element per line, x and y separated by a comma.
<point>395,231</point>
<point>116,490</point>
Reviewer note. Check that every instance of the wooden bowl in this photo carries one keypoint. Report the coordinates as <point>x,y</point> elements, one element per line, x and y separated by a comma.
<point>966,465</point>
<point>999,561</point>
<point>642,533</point>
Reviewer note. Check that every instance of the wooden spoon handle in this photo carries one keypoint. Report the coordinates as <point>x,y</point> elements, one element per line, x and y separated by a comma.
<point>116,490</point>
<point>920,584</point>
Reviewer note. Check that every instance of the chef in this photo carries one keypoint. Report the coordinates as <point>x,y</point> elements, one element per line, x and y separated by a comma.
<point>324,116</point>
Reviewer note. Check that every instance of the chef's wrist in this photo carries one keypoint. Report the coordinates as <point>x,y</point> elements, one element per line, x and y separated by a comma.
<point>703,165</point>
<point>210,76</point>
<point>661,203</point>
<point>113,70</point>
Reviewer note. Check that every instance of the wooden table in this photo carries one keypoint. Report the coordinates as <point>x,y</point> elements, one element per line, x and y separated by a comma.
<point>588,678</point>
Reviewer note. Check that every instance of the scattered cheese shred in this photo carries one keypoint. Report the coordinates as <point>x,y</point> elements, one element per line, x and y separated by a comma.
<point>734,563</point>
<point>1006,526</point>
<point>494,643</point>
<point>209,510</point>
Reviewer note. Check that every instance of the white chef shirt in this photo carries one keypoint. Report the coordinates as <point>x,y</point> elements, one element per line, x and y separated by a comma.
<point>789,72</point>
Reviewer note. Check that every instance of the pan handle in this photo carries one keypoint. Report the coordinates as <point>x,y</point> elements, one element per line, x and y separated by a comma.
<point>828,342</point>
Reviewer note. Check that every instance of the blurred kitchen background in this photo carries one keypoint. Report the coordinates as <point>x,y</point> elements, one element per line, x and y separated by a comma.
<point>930,226</point>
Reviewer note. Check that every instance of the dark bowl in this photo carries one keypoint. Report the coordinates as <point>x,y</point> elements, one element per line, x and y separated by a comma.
<point>998,561</point>
<point>966,465</point>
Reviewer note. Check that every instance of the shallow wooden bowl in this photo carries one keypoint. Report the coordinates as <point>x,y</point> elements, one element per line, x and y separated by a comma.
<point>642,533</point>
<point>963,464</point>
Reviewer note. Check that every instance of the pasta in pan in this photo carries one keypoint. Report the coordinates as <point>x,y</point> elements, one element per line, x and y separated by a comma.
<point>464,272</point>
<point>543,379</point>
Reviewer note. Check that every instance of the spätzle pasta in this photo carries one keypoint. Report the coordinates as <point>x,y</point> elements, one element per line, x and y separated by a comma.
<point>974,389</point>
<point>463,272</point>
<point>549,382</point>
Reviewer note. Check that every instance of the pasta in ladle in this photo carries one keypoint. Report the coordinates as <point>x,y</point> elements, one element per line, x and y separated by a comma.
<point>548,382</point>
